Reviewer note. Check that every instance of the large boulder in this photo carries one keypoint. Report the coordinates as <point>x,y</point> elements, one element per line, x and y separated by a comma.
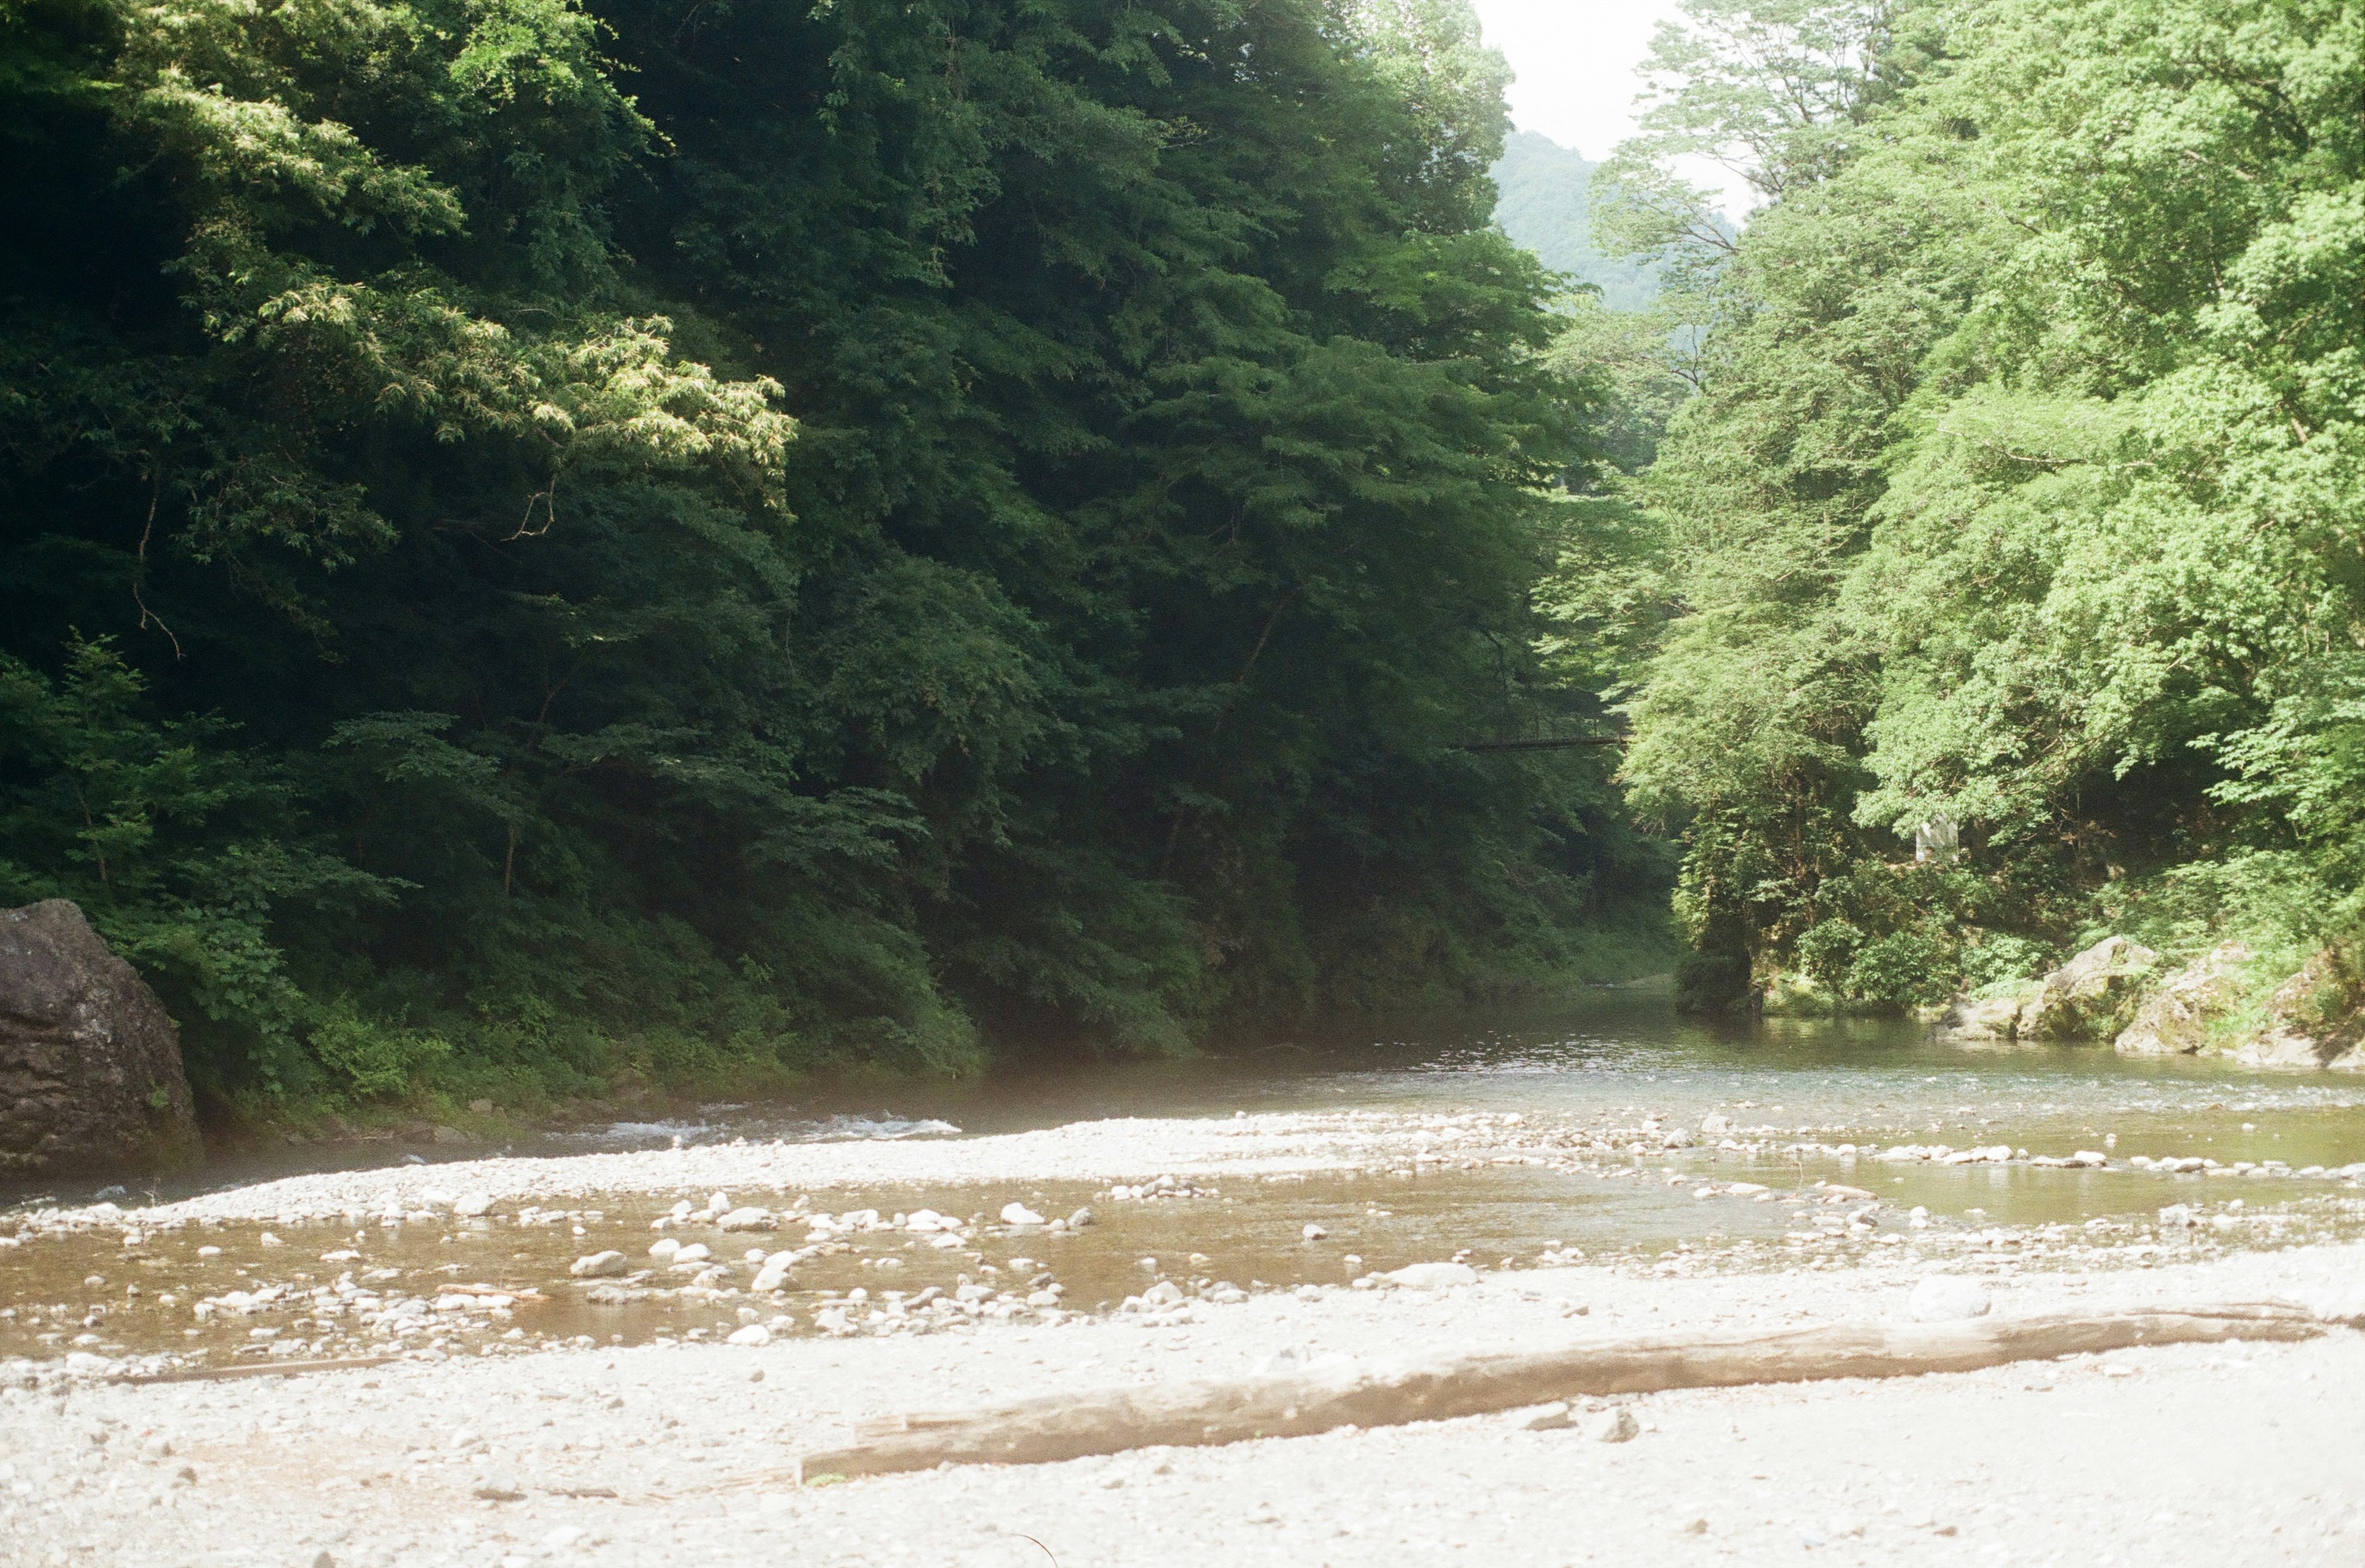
<point>2316,1018</point>
<point>2088,998</point>
<point>1992,1018</point>
<point>2175,1018</point>
<point>90,1063</point>
<point>2091,997</point>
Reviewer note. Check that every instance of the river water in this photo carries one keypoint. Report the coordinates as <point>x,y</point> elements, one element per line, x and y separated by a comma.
<point>1594,1092</point>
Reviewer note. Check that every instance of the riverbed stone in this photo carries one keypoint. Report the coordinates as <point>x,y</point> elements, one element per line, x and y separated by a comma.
<point>1432,1276</point>
<point>1948,1298</point>
<point>599,1266</point>
<point>90,1062</point>
<point>1616,1424</point>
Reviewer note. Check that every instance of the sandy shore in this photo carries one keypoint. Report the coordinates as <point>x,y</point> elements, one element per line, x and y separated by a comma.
<point>683,1453</point>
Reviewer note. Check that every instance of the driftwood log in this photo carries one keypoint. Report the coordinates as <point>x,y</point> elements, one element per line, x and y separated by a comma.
<point>1060,1427</point>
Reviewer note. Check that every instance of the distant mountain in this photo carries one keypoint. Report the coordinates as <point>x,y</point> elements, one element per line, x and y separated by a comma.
<point>1543,206</point>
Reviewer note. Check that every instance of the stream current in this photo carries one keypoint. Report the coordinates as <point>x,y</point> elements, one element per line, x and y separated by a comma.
<point>1612,1133</point>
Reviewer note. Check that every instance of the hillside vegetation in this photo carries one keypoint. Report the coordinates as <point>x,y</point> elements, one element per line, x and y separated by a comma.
<point>549,543</point>
<point>2021,492</point>
<point>1545,204</point>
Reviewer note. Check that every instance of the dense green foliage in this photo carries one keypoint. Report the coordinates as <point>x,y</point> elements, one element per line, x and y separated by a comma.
<point>542,539</point>
<point>2023,488</point>
<point>1545,204</point>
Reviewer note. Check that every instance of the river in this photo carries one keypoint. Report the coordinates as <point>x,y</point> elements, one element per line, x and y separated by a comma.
<point>1511,1141</point>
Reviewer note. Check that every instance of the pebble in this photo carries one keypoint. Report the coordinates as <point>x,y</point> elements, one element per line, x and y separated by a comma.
<point>1314,1233</point>
<point>1432,1276</point>
<point>1947,1298</point>
<point>1550,1418</point>
<point>1613,1425</point>
<point>474,1206</point>
<point>753,1334</point>
<point>598,1266</point>
<point>663,1247</point>
<point>1019,1213</point>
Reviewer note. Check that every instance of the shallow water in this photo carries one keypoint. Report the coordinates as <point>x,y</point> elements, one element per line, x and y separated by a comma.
<point>1794,1092</point>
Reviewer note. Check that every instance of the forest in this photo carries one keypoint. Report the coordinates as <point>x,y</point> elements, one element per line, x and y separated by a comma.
<point>2017,495</point>
<point>554,545</point>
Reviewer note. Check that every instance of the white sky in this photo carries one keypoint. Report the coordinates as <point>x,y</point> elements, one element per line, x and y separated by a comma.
<point>1574,61</point>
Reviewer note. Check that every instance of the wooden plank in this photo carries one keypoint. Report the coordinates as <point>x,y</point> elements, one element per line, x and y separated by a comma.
<point>1061,1427</point>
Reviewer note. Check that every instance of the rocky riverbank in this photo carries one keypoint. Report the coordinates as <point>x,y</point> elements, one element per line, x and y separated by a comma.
<point>2220,1003</point>
<point>684,1453</point>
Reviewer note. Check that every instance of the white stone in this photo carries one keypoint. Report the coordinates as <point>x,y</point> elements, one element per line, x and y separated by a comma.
<point>1947,1298</point>
<point>663,1247</point>
<point>748,1219</point>
<point>1432,1276</point>
<point>753,1334</point>
<point>598,1266</point>
<point>696,1252</point>
<point>1314,1233</point>
<point>1019,1213</point>
<point>474,1206</point>
<point>1550,1418</point>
